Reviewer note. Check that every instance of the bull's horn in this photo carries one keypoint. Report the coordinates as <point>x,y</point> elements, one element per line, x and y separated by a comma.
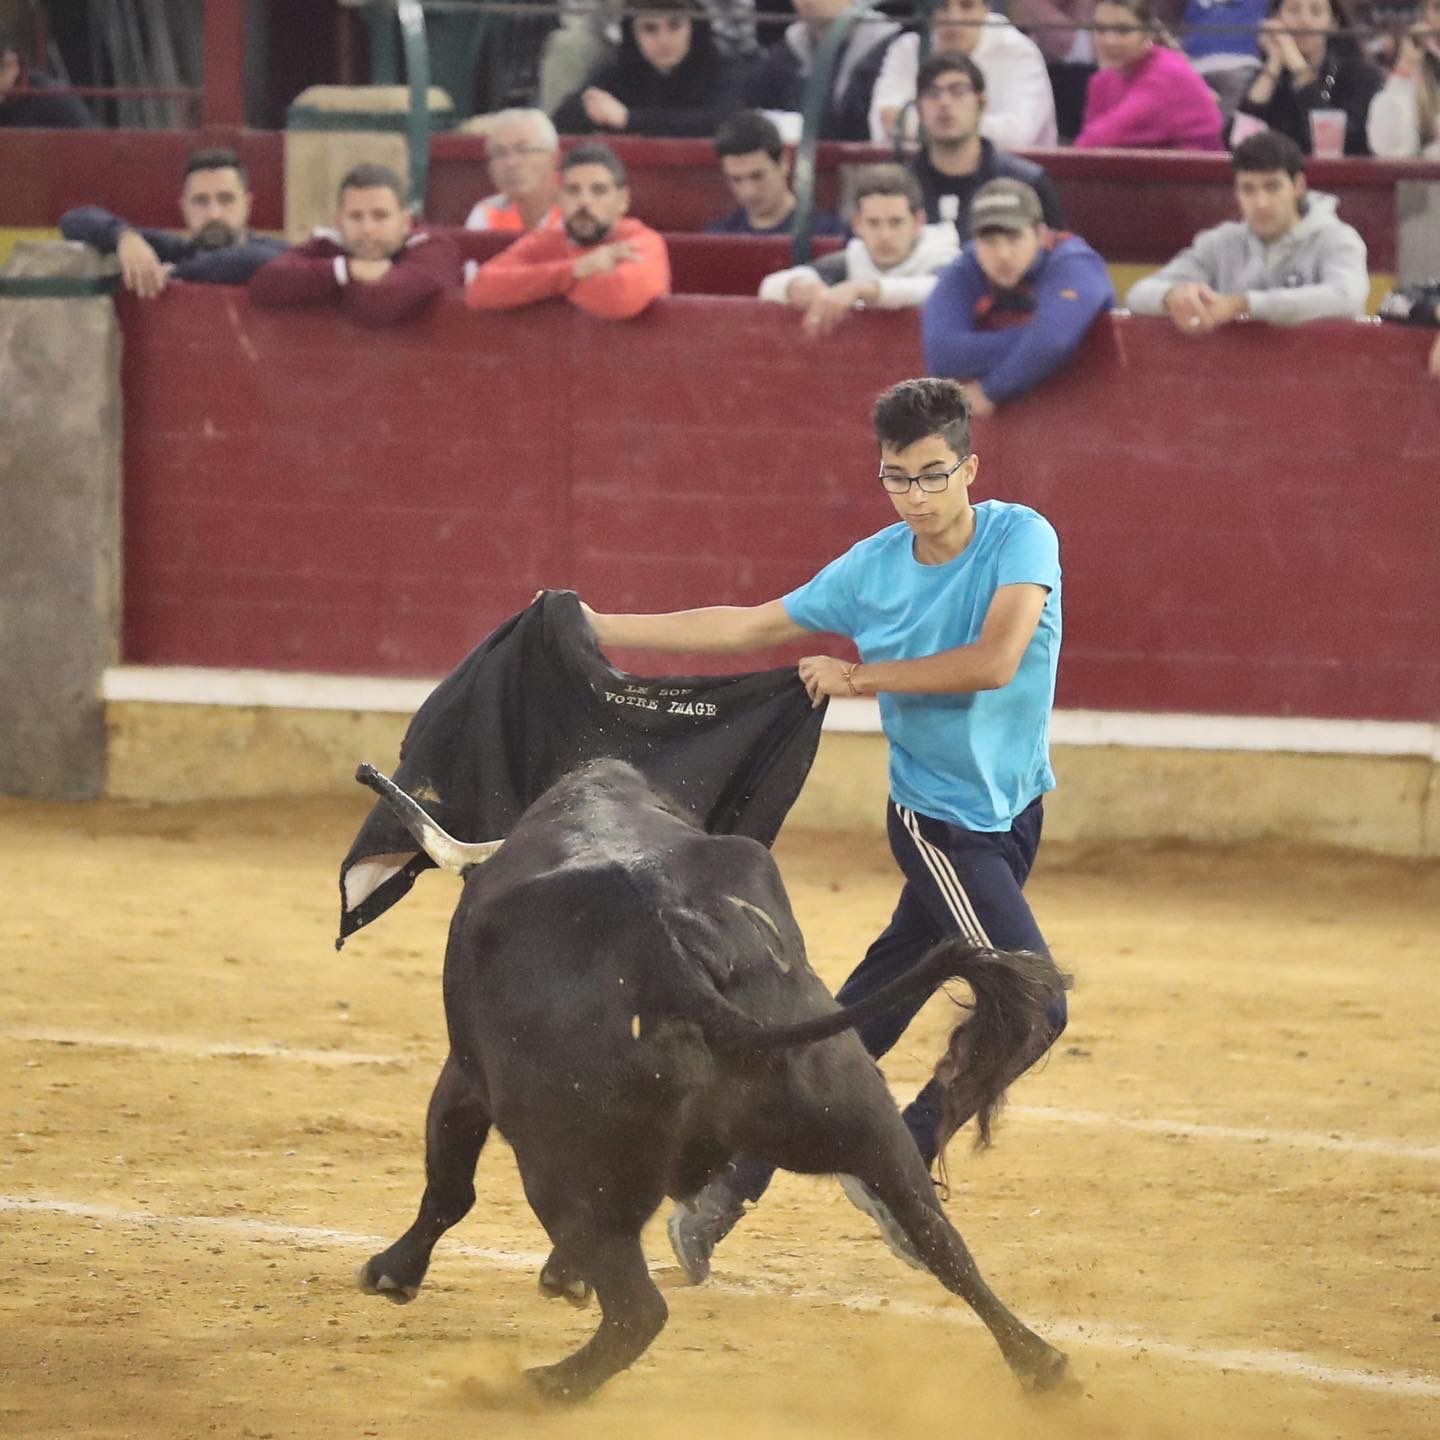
<point>445,850</point>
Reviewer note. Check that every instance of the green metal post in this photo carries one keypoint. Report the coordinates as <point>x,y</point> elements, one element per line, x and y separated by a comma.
<point>417,71</point>
<point>381,20</point>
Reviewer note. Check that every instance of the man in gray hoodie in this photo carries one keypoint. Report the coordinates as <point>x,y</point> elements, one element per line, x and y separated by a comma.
<point>1289,260</point>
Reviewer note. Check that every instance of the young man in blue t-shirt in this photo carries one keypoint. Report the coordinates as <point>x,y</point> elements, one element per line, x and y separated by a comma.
<point>955,611</point>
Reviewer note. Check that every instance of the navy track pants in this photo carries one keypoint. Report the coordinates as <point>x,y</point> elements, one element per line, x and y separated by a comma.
<point>957,881</point>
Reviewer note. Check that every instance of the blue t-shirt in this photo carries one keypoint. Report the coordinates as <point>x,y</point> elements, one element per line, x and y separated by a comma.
<point>976,760</point>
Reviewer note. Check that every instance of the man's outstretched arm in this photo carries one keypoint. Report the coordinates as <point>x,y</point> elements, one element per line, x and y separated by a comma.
<point>721,629</point>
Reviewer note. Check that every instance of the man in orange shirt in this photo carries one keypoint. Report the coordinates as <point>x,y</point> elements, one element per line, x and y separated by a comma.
<point>608,264</point>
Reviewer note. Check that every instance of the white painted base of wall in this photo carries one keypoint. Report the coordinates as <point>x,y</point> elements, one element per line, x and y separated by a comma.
<point>190,734</point>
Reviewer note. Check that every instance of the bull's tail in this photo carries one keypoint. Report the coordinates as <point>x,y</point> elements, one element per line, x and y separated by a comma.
<point>1006,1030</point>
<point>444,849</point>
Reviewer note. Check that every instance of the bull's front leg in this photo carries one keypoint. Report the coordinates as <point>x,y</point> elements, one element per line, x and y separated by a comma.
<point>562,1279</point>
<point>633,1312</point>
<point>455,1131</point>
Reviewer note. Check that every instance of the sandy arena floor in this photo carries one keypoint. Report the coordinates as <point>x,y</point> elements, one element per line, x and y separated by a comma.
<point>1221,1195</point>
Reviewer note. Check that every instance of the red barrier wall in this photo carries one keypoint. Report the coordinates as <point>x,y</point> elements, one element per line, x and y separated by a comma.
<point>1248,524</point>
<point>1131,206</point>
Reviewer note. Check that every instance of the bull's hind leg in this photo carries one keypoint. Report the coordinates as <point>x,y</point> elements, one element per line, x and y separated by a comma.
<point>455,1131</point>
<point>632,1311</point>
<point>839,1118</point>
<point>893,1169</point>
<point>593,1198</point>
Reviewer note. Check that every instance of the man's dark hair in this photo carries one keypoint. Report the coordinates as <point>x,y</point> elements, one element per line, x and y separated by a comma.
<point>889,180</point>
<point>595,154</point>
<point>747,131</point>
<point>942,63</point>
<point>371,176</point>
<point>215,160</point>
<point>915,409</point>
<point>1267,151</point>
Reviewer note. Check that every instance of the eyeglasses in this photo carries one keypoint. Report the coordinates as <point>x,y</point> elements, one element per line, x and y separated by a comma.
<point>513,152</point>
<point>956,90</point>
<point>897,482</point>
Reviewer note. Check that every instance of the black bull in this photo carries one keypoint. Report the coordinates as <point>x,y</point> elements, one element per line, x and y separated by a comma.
<point>629,1002</point>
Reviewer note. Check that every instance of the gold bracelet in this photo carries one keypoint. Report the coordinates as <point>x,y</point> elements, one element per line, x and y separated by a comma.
<point>849,673</point>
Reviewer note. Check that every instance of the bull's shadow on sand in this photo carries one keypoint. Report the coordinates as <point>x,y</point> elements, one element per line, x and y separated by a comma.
<point>629,1003</point>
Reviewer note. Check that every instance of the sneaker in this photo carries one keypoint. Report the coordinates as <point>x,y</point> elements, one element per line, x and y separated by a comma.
<point>697,1225</point>
<point>863,1198</point>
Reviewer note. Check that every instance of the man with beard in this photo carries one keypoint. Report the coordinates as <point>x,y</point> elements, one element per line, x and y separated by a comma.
<point>604,261</point>
<point>217,248</point>
<point>376,265</point>
<point>958,158</point>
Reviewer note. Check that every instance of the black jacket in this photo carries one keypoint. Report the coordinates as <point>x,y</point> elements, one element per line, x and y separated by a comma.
<point>778,81</point>
<point>994,164</point>
<point>32,107</point>
<point>230,265</point>
<point>692,99</point>
<point>535,700</point>
<point>1346,82</point>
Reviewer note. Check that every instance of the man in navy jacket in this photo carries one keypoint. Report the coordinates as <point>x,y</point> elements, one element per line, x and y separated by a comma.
<point>1012,309</point>
<point>217,247</point>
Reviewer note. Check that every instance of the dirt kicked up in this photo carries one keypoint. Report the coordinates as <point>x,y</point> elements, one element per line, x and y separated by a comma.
<point>1221,1195</point>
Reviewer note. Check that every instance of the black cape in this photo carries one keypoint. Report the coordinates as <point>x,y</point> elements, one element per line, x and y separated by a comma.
<point>535,700</point>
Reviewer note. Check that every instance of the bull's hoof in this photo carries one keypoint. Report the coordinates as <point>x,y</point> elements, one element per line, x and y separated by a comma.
<point>373,1281</point>
<point>556,1384</point>
<point>559,1282</point>
<point>1046,1370</point>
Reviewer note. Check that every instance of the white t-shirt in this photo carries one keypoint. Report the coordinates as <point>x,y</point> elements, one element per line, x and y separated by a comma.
<point>1019,103</point>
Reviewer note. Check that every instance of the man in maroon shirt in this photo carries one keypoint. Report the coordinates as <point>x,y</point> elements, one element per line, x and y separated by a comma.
<point>376,264</point>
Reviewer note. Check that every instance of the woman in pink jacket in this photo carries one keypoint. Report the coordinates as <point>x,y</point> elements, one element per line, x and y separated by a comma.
<point>1146,96</point>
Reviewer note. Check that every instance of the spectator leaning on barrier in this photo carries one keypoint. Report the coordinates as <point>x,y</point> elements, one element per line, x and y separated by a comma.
<point>1061,29</point>
<point>1019,108</point>
<point>604,262</point>
<point>1289,260</point>
<point>778,81</point>
<point>521,146</point>
<point>375,265</point>
<point>217,247</point>
<point>668,79</point>
<point>1307,68</point>
<point>1146,95</point>
<point>890,264</point>
<point>25,98</point>
<point>1404,118</point>
<point>957,159</point>
<point>590,29</point>
<point>1219,40</point>
<point>1012,309</point>
<point>752,160</point>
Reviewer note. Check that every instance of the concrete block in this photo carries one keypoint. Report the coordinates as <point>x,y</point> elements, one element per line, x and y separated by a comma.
<point>59,525</point>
